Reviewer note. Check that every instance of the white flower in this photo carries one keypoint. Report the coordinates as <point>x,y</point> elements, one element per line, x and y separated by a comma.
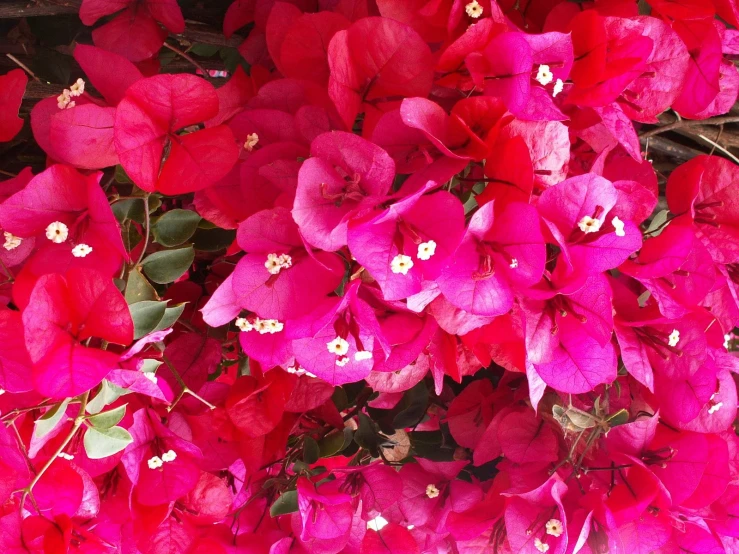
<point>342,361</point>
<point>151,377</point>
<point>401,264</point>
<point>155,462</point>
<point>262,326</point>
<point>57,232</point>
<point>169,456</point>
<point>715,407</point>
<point>426,250</point>
<point>251,141</point>
<point>77,88</point>
<point>558,87</point>
<point>514,263</point>
<point>432,491</point>
<point>540,546</point>
<point>362,355</point>
<point>376,524</point>
<point>11,241</point>
<point>64,100</point>
<point>81,250</point>
<point>473,9</point>
<point>65,456</point>
<point>268,326</point>
<point>243,324</point>
<point>554,527</point>
<point>674,338</point>
<point>544,76</point>
<point>276,263</point>
<point>618,225</point>
<point>338,346</point>
<point>589,225</point>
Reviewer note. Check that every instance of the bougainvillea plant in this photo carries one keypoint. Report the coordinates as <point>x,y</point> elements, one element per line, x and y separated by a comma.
<point>401,280</point>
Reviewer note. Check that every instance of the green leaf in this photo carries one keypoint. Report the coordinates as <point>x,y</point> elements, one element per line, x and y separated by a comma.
<point>175,227</point>
<point>50,419</point>
<point>108,394</point>
<point>311,452</point>
<point>106,420</point>
<point>658,220</point>
<point>130,208</point>
<point>366,435</point>
<point>204,50</point>
<point>287,503</point>
<point>231,59</point>
<point>146,316</point>
<point>138,288</point>
<point>168,265</point>
<point>619,418</point>
<point>413,407</point>
<point>335,442</point>
<point>121,176</point>
<point>213,240</point>
<point>101,443</point>
<point>171,315</point>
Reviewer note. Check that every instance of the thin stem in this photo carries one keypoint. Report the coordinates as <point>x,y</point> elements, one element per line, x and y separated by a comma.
<point>690,123</point>
<point>185,388</point>
<point>23,66</point>
<point>147,224</point>
<point>721,148</point>
<point>188,58</point>
<point>78,421</point>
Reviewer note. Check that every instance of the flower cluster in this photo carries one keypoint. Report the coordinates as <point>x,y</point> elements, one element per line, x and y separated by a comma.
<point>410,286</point>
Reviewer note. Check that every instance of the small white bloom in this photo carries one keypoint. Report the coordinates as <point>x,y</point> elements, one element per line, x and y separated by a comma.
<point>151,377</point>
<point>64,100</point>
<point>268,326</point>
<point>558,87</point>
<point>342,361</point>
<point>81,250</point>
<point>376,524</point>
<point>155,462</point>
<point>401,264</point>
<point>169,456</point>
<point>514,263</point>
<point>57,232</point>
<point>618,225</point>
<point>65,456</point>
<point>432,491</point>
<point>554,527</point>
<point>11,241</point>
<point>338,346</point>
<point>715,407</point>
<point>473,9</point>
<point>541,546</point>
<point>589,225</point>
<point>251,141</point>
<point>426,250</point>
<point>362,355</point>
<point>276,263</point>
<point>674,338</point>
<point>77,88</point>
<point>243,324</point>
<point>544,76</point>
